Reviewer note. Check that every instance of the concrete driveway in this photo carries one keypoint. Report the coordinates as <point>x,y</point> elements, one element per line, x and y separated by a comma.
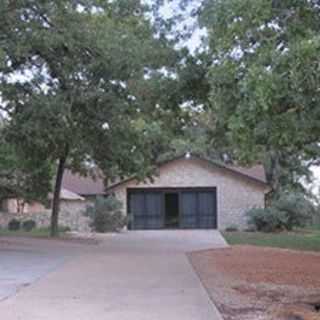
<point>130,276</point>
<point>24,261</point>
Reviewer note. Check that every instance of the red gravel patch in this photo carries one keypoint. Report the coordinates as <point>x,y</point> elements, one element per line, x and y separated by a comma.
<point>268,265</point>
<point>248,282</point>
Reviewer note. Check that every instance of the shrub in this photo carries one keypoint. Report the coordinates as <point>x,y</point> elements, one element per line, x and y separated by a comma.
<point>64,229</point>
<point>14,225</point>
<point>285,213</point>
<point>28,225</point>
<point>232,228</point>
<point>266,220</point>
<point>296,210</point>
<point>106,215</point>
<point>250,229</point>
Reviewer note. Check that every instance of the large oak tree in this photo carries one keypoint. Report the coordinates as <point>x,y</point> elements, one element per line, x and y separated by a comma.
<point>265,80</point>
<point>72,73</point>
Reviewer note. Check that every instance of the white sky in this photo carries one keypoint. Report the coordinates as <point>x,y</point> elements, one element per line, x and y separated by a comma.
<point>170,8</point>
<point>316,184</point>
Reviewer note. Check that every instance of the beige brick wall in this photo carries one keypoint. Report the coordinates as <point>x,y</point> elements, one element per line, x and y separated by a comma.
<point>71,215</point>
<point>235,194</point>
<point>11,205</point>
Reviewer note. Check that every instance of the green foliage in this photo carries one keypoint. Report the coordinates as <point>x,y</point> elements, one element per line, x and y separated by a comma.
<point>64,229</point>
<point>106,215</point>
<point>28,225</point>
<point>14,225</point>
<point>92,83</point>
<point>266,220</point>
<point>23,178</point>
<point>84,102</point>
<point>285,213</point>
<point>297,210</point>
<point>232,228</point>
<point>264,82</point>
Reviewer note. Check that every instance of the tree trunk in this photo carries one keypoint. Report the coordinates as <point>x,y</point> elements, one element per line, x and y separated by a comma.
<point>56,197</point>
<point>273,173</point>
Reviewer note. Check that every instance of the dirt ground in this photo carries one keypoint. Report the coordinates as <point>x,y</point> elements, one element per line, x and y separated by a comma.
<point>254,283</point>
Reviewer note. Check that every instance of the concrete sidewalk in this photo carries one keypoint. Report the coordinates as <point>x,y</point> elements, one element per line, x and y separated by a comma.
<point>133,276</point>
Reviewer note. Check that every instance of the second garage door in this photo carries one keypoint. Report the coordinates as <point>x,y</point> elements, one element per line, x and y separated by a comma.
<point>172,208</point>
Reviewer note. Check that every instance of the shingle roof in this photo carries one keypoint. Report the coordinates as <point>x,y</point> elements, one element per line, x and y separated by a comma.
<point>84,186</point>
<point>68,195</point>
<point>257,172</point>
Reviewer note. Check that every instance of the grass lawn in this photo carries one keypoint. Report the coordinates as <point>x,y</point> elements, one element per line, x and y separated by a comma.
<point>38,233</point>
<point>307,239</point>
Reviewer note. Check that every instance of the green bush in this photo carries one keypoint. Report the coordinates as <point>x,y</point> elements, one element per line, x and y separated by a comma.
<point>285,213</point>
<point>106,215</point>
<point>296,209</point>
<point>14,225</point>
<point>266,220</point>
<point>28,225</point>
<point>232,228</point>
<point>64,229</point>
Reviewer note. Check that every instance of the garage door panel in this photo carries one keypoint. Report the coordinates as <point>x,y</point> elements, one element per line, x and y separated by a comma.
<point>146,210</point>
<point>188,222</point>
<point>198,209</point>
<point>189,203</point>
<point>153,204</point>
<point>206,203</point>
<point>139,223</point>
<point>153,224</point>
<point>137,207</point>
<point>207,222</point>
<point>207,210</point>
<point>189,210</point>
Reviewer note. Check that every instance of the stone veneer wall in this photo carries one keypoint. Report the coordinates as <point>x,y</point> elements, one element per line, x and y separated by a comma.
<point>71,215</point>
<point>235,194</point>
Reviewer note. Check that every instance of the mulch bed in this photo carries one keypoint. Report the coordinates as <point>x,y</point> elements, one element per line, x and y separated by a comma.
<point>248,282</point>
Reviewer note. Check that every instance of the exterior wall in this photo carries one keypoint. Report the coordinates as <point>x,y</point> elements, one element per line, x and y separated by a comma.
<point>11,206</point>
<point>71,215</point>
<point>235,194</point>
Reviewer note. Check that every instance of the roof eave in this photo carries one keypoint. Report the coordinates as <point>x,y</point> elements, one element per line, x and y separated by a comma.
<point>193,156</point>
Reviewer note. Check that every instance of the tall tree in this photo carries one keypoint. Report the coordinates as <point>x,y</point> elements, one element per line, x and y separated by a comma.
<point>265,80</point>
<point>68,79</point>
<point>180,99</point>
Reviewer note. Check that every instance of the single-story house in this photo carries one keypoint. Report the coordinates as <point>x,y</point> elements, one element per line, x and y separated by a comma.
<point>187,192</point>
<point>192,192</point>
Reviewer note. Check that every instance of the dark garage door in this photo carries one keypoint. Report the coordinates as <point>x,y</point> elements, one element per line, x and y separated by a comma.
<point>197,208</point>
<point>146,210</point>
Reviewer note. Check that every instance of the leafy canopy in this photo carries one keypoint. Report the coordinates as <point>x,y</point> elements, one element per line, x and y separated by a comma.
<point>71,77</point>
<point>20,178</point>
<point>79,98</point>
<point>265,76</point>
